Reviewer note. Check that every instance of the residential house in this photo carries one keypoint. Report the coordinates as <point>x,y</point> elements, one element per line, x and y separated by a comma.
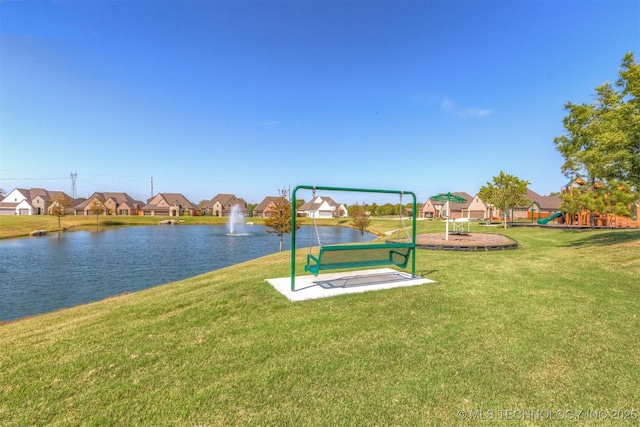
<point>17,202</point>
<point>222,204</point>
<point>478,209</point>
<point>86,207</point>
<point>265,207</point>
<point>122,204</point>
<point>33,201</point>
<point>539,206</point>
<point>112,203</point>
<point>170,204</point>
<point>322,207</point>
<point>47,203</point>
<point>473,207</point>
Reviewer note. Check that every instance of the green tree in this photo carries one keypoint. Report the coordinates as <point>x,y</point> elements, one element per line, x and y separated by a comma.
<point>96,208</point>
<point>279,220</point>
<point>360,219</point>
<point>602,139</point>
<point>250,208</point>
<point>373,209</point>
<point>59,206</point>
<point>505,193</point>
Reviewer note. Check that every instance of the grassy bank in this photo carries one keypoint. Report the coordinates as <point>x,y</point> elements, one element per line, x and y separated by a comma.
<point>552,326</point>
<point>21,225</point>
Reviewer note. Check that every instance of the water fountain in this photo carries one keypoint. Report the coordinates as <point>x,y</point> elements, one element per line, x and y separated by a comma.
<point>235,224</point>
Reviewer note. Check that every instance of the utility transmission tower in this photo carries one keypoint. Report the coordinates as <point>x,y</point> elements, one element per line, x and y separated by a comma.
<point>74,192</point>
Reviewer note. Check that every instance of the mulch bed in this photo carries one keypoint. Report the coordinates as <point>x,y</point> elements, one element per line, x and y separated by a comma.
<point>465,242</point>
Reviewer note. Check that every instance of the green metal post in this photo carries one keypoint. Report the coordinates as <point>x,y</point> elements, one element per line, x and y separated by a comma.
<point>293,239</point>
<point>413,236</point>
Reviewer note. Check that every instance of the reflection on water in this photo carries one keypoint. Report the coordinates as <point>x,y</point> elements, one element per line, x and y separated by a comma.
<point>39,275</point>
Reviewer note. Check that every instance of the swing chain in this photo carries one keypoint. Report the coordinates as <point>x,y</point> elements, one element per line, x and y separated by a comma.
<point>403,225</point>
<point>313,216</point>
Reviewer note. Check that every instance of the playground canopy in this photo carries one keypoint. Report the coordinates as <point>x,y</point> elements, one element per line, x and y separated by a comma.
<point>448,197</point>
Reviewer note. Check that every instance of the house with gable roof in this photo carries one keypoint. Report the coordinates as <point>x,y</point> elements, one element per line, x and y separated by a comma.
<point>222,204</point>
<point>322,207</point>
<point>113,204</point>
<point>473,208</point>
<point>17,202</point>
<point>265,207</point>
<point>45,203</point>
<point>539,206</point>
<point>33,201</point>
<point>170,204</point>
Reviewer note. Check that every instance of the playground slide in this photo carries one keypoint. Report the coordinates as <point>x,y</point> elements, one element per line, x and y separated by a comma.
<point>546,220</point>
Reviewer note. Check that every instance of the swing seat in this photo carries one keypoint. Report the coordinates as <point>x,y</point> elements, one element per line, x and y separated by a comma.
<point>359,255</point>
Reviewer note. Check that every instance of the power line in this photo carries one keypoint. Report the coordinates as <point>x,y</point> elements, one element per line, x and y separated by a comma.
<point>28,179</point>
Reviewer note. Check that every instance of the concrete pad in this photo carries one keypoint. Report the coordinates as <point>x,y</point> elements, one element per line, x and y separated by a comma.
<point>349,282</point>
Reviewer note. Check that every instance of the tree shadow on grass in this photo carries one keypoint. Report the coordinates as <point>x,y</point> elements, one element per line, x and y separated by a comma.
<point>612,237</point>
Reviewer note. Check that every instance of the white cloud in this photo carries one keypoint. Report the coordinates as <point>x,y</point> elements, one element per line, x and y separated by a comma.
<point>473,112</point>
<point>465,113</point>
<point>269,123</point>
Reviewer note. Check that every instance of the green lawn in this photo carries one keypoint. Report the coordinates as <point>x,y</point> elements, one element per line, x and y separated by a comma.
<point>553,326</point>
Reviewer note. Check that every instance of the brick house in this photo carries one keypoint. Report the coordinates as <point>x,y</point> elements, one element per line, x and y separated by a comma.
<point>264,208</point>
<point>222,204</point>
<point>170,204</point>
<point>113,203</point>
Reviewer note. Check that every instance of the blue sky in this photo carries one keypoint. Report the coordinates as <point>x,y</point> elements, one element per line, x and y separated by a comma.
<point>246,97</point>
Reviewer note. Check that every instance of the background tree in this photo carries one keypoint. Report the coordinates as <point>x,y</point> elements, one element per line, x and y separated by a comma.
<point>374,209</point>
<point>59,206</point>
<point>505,193</point>
<point>279,221</point>
<point>602,139</point>
<point>97,208</point>
<point>250,208</point>
<point>360,219</point>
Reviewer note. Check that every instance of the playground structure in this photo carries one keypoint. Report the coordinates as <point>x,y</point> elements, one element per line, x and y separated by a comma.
<point>363,255</point>
<point>587,218</point>
<point>545,220</point>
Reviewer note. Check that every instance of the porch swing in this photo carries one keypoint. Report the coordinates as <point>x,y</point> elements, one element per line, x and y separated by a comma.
<point>345,256</point>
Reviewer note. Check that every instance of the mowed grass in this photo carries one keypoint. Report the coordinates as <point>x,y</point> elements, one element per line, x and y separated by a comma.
<point>552,326</point>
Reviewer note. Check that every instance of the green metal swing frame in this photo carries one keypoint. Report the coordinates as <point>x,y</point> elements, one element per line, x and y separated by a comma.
<point>344,256</point>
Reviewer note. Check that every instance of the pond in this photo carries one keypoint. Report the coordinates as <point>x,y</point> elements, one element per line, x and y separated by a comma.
<point>39,275</point>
